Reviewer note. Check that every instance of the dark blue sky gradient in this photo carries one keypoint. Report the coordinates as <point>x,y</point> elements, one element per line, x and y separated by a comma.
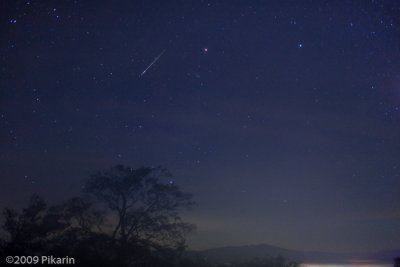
<point>281,117</point>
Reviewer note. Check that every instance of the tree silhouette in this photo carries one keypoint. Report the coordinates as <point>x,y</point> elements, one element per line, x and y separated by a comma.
<point>397,262</point>
<point>143,212</point>
<point>126,217</point>
<point>32,230</point>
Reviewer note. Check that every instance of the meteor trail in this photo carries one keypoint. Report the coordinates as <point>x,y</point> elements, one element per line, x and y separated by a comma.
<point>151,64</point>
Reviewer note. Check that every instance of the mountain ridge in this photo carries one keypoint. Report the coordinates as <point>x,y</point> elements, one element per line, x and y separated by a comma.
<point>263,251</point>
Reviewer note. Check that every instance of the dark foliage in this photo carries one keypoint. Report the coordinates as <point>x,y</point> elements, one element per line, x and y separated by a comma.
<point>397,262</point>
<point>126,217</point>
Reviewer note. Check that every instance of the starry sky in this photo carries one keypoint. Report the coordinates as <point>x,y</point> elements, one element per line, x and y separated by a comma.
<point>281,117</point>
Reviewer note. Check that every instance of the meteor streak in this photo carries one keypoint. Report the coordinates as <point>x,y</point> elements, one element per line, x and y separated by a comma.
<point>151,64</point>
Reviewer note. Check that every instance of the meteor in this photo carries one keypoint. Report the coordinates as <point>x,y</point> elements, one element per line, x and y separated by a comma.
<point>151,64</point>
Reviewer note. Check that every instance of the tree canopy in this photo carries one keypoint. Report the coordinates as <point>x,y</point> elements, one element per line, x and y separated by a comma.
<point>125,216</point>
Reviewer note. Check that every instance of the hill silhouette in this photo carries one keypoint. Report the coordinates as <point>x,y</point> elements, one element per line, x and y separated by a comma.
<point>261,251</point>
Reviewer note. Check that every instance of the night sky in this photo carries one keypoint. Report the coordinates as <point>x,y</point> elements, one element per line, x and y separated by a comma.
<point>281,117</point>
